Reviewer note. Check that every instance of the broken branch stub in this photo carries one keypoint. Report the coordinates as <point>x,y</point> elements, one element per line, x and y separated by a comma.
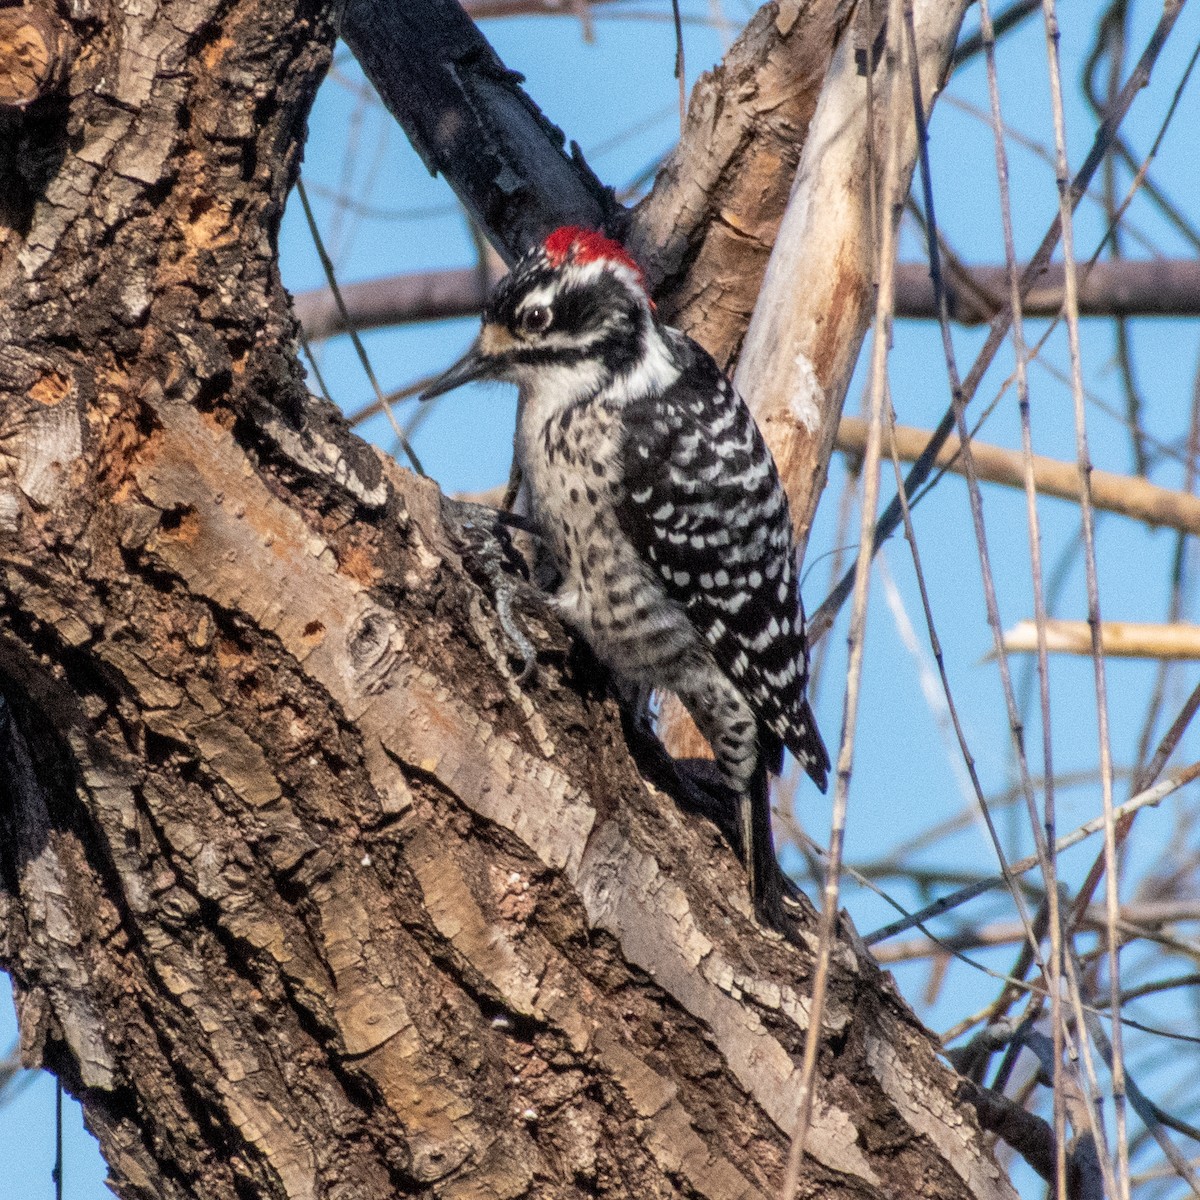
<point>34,51</point>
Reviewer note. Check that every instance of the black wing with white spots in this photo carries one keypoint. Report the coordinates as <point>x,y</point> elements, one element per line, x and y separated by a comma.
<point>704,507</point>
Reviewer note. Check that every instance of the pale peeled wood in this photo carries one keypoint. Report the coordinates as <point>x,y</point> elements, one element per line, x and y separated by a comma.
<point>706,230</point>
<point>816,299</point>
<point>1118,639</point>
<point>1128,495</point>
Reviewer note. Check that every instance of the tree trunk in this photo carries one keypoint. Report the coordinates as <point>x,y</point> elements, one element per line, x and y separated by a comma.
<point>302,894</point>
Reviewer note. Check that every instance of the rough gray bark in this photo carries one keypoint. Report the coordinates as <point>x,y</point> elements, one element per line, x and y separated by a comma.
<point>302,895</point>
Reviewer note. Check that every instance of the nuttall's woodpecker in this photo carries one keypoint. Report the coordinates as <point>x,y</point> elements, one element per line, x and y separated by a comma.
<point>662,510</point>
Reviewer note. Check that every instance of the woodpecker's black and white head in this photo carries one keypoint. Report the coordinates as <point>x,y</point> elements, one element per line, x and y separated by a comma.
<point>571,319</point>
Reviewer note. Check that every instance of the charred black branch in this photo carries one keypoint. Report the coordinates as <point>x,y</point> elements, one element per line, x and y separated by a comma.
<point>470,120</point>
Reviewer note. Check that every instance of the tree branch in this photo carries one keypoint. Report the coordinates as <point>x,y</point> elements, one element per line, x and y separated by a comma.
<point>1118,639</point>
<point>1128,495</point>
<point>706,230</point>
<point>469,119</point>
<point>1110,288</point>
<point>394,300</point>
<point>1113,288</point>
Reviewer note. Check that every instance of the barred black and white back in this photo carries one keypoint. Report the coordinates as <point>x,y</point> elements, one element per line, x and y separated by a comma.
<point>705,504</point>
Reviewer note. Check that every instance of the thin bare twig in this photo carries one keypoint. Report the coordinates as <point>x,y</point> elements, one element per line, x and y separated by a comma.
<point>680,71</point>
<point>1071,308</point>
<point>1124,819</point>
<point>1013,16</point>
<point>1151,797</point>
<point>1152,1116</point>
<point>890,212</point>
<point>822,619</point>
<point>1043,837</point>
<point>359,348</point>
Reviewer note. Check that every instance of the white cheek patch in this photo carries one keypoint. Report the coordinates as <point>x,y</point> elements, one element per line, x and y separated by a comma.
<point>655,371</point>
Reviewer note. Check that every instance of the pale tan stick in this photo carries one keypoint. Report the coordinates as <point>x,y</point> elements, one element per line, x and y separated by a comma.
<point>1118,639</point>
<point>1124,494</point>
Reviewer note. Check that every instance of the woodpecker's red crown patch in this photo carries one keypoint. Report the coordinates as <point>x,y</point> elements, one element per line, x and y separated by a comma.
<point>581,245</point>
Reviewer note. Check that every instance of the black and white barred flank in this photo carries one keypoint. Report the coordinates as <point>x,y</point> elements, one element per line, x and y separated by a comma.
<point>703,502</point>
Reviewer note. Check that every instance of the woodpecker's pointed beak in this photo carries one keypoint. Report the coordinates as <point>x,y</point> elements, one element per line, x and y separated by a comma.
<point>475,364</point>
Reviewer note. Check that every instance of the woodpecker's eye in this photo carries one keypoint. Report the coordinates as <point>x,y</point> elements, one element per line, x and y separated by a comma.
<point>535,319</point>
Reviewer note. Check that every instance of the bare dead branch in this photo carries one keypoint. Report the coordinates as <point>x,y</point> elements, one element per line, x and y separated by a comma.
<point>1119,639</point>
<point>802,343</point>
<point>394,300</point>
<point>1163,288</point>
<point>1118,288</point>
<point>1127,495</point>
<point>469,119</point>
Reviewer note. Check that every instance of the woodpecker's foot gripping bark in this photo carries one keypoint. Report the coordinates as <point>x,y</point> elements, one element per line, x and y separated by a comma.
<point>483,537</point>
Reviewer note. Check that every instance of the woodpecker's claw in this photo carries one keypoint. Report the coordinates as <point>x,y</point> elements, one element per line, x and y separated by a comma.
<point>482,532</point>
<point>518,638</point>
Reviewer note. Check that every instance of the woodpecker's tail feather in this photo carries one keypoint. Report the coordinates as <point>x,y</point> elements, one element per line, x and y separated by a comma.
<point>758,844</point>
<point>770,749</point>
<point>809,748</point>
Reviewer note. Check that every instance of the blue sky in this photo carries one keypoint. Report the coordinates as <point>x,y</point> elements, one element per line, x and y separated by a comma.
<point>904,778</point>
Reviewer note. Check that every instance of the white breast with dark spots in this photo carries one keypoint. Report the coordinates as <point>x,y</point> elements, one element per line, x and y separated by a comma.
<point>571,462</point>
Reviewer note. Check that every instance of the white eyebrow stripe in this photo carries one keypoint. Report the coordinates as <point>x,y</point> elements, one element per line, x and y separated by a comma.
<point>541,296</point>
